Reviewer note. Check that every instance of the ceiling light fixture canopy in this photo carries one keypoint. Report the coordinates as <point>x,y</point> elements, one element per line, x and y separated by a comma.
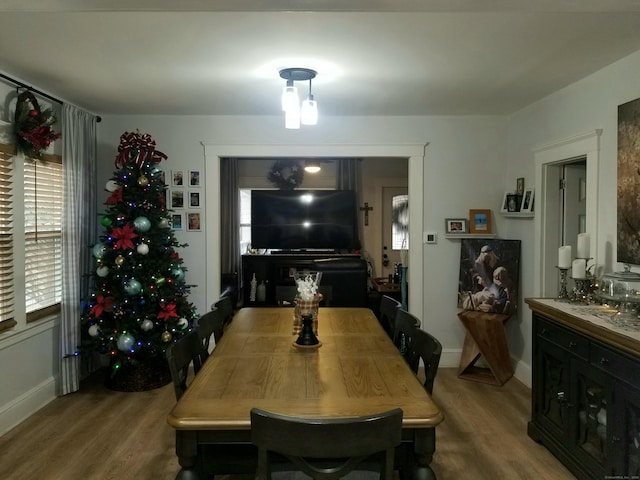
<point>295,114</point>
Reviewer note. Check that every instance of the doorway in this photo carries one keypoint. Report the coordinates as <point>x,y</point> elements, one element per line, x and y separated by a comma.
<point>553,225</point>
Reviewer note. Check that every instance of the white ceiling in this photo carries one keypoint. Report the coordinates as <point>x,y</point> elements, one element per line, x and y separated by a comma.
<point>376,57</point>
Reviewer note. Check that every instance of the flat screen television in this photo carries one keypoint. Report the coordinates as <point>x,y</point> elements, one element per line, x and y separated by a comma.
<point>303,219</point>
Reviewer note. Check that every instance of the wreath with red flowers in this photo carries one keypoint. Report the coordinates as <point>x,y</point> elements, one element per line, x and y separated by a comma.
<point>286,174</point>
<point>33,126</point>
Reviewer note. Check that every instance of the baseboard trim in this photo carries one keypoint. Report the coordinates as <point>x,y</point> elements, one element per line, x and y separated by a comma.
<point>26,405</point>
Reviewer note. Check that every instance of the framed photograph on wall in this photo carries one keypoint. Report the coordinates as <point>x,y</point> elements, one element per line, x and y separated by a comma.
<point>194,178</point>
<point>177,199</point>
<point>456,225</point>
<point>176,221</point>
<point>513,202</point>
<point>479,221</point>
<point>527,201</point>
<point>194,199</point>
<point>193,222</point>
<point>177,178</point>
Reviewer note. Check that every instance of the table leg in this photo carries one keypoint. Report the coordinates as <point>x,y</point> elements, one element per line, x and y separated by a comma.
<point>187,450</point>
<point>424,448</point>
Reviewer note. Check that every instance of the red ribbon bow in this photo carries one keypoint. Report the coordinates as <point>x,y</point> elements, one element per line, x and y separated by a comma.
<point>137,148</point>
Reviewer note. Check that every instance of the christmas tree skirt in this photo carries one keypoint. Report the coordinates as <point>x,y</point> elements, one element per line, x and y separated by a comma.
<point>139,375</point>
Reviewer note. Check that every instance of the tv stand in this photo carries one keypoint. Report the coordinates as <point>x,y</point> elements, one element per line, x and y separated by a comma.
<point>343,283</point>
<point>304,252</point>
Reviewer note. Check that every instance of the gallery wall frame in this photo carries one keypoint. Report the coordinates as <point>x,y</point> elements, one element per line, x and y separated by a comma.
<point>456,225</point>
<point>480,221</point>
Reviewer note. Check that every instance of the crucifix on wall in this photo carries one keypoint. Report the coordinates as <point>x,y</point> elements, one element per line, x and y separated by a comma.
<point>366,209</point>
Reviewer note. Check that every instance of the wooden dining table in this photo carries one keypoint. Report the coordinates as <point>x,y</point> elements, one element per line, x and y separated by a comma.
<point>355,371</point>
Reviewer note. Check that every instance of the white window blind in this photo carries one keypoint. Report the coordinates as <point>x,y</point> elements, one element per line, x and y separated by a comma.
<point>7,292</point>
<point>43,237</point>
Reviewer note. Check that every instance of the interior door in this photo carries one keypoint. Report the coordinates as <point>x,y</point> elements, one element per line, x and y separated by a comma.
<point>575,203</point>
<point>388,217</point>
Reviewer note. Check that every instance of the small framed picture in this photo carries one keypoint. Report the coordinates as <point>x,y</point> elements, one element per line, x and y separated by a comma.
<point>193,222</point>
<point>520,186</point>
<point>177,199</point>
<point>176,221</point>
<point>479,221</point>
<point>513,202</point>
<point>456,225</point>
<point>194,178</point>
<point>177,178</point>
<point>194,199</point>
<point>527,201</point>
<point>505,202</point>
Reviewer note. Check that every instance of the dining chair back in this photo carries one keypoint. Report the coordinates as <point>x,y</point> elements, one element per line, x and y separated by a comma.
<point>180,356</point>
<point>210,324</point>
<point>226,307</point>
<point>427,348</point>
<point>326,448</point>
<point>388,309</point>
<point>406,325</point>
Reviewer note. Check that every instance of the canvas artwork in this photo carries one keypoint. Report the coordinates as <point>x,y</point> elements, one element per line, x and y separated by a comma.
<point>629,182</point>
<point>489,275</point>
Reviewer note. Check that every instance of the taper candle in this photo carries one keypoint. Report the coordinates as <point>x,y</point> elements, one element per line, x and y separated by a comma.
<point>564,256</point>
<point>583,245</point>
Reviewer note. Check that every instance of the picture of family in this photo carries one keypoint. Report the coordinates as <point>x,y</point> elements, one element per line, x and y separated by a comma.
<point>489,273</point>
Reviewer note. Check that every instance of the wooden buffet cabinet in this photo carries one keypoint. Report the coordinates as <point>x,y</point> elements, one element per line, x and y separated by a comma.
<point>585,389</point>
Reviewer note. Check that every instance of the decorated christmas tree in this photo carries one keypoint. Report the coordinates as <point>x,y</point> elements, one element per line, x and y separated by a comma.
<point>138,305</point>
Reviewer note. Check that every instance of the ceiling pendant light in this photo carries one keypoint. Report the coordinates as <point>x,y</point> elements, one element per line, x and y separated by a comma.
<point>312,166</point>
<point>295,114</point>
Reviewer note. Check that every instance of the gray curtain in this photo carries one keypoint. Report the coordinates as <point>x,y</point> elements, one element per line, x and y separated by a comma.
<point>78,232</point>
<point>229,216</point>
<point>348,174</point>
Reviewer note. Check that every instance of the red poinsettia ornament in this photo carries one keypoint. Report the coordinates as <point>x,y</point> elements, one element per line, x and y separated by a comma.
<point>33,126</point>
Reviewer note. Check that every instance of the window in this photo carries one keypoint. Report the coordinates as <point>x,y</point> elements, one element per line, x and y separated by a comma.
<point>7,292</point>
<point>400,223</point>
<point>43,237</point>
<point>245,219</point>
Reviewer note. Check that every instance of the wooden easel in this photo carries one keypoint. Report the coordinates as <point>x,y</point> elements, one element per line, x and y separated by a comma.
<point>485,336</point>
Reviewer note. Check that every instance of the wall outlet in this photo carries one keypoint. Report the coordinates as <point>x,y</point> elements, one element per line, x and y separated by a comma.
<point>430,237</point>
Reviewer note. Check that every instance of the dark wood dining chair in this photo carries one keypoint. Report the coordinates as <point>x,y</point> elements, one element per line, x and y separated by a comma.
<point>388,309</point>
<point>210,324</point>
<point>226,308</point>
<point>325,448</point>
<point>406,325</point>
<point>180,356</point>
<point>427,348</point>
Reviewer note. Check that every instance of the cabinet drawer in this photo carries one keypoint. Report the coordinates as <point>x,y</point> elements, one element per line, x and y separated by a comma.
<point>616,364</point>
<point>564,338</point>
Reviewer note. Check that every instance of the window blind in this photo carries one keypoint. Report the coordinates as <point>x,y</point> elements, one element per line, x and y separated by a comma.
<point>7,292</point>
<point>43,183</point>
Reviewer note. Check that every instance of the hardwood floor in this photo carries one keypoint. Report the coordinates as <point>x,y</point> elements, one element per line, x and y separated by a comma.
<point>99,434</point>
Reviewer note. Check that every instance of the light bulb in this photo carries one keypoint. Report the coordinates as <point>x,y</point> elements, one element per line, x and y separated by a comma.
<point>309,111</point>
<point>290,97</point>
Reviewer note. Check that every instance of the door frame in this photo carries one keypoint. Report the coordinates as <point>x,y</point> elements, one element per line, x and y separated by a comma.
<point>549,159</point>
<point>414,153</point>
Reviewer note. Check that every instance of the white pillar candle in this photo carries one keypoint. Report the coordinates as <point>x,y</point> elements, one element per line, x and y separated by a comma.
<point>579,268</point>
<point>564,256</point>
<point>583,245</point>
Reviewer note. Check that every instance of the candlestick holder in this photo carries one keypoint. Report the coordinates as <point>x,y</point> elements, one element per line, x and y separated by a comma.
<point>582,293</point>
<point>563,295</point>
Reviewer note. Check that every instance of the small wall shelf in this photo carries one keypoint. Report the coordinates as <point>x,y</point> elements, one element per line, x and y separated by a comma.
<point>469,235</point>
<point>518,214</point>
